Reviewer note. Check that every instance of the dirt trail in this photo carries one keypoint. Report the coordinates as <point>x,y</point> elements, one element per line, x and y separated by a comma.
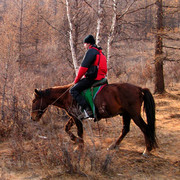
<point>126,162</point>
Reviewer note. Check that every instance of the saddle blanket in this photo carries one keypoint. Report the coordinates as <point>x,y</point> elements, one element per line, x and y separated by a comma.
<point>90,94</point>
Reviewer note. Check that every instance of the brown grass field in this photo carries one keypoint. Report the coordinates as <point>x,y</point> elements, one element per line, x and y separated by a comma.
<point>53,156</point>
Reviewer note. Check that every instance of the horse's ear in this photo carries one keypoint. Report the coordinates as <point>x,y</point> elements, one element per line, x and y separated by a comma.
<point>37,92</point>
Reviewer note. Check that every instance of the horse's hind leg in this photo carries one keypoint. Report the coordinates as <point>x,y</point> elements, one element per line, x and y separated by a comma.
<point>125,130</point>
<point>144,128</point>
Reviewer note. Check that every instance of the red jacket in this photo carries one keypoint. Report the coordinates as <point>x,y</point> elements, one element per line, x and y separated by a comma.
<point>91,58</point>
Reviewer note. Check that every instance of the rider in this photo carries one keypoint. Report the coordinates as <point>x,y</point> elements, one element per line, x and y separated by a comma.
<point>84,83</point>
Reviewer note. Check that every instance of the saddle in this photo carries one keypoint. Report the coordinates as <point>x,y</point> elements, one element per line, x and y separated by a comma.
<point>100,82</point>
<point>90,93</point>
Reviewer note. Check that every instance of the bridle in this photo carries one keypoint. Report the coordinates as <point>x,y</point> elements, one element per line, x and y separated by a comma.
<point>40,111</point>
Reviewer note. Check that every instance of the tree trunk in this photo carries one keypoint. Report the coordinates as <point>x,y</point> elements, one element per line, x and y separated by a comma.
<point>159,77</point>
<point>5,77</point>
<point>37,34</point>
<point>99,21</point>
<point>20,31</point>
<point>71,41</point>
<point>113,24</point>
<point>4,93</point>
<point>111,33</point>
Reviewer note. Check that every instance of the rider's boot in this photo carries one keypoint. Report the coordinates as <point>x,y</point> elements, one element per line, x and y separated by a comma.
<point>85,113</point>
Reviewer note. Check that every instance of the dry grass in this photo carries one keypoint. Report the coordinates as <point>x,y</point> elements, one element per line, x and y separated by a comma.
<point>47,153</point>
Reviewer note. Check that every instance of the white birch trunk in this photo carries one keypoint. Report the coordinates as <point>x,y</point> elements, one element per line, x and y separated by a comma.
<point>99,21</point>
<point>71,41</point>
<point>111,33</point>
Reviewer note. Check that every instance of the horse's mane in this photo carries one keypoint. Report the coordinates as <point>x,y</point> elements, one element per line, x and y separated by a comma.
<point>63,87</point>
<point>46,92</point>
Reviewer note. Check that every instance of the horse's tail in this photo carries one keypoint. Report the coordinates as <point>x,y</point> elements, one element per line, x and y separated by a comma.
<point>149,107</point>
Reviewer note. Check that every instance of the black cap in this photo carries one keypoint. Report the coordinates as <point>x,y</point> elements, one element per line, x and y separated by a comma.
<point>89,39</point>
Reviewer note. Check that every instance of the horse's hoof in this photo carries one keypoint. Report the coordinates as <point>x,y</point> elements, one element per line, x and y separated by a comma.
<point>78,149</point>
<point>146,153</point>
<point>111,147</point>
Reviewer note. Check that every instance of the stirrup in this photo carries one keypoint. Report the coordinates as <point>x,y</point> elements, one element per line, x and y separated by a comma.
<point>83,115</point>
<point>86,115</point>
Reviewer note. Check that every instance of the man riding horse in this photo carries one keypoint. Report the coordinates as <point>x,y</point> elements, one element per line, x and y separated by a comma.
<point>93,68</point>
<point>114,99</point>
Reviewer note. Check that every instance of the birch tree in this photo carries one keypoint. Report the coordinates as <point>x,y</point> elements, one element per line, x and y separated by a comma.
<point>111,33</point>
<point>113,24</point>
<point>99,20</point>
<point>71,41</point>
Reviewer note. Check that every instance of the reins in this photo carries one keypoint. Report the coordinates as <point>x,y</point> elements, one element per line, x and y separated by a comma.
<point>61,96</point>
<point>52,102</point>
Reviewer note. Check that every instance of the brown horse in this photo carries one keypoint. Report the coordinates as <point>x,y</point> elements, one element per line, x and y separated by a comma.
<point>114,99</point>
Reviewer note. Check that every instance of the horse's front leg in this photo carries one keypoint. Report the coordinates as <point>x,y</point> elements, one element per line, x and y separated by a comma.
<point>68,126</point>
<point>79,140</point>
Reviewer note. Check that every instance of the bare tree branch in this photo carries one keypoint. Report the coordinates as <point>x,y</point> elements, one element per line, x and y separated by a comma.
<point>173,7</point>
<point>171,47</point>
<point>172,60</point>
<point>166,36</point>
<point>90,6</point>
<point>53,27</point>
<point>142,8</point>
<point>126,11</point>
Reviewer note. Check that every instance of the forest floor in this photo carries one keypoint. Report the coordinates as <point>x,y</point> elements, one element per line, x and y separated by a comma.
<point>126,162</point>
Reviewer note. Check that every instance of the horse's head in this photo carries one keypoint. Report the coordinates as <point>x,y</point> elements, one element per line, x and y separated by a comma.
<point>39,105</point>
